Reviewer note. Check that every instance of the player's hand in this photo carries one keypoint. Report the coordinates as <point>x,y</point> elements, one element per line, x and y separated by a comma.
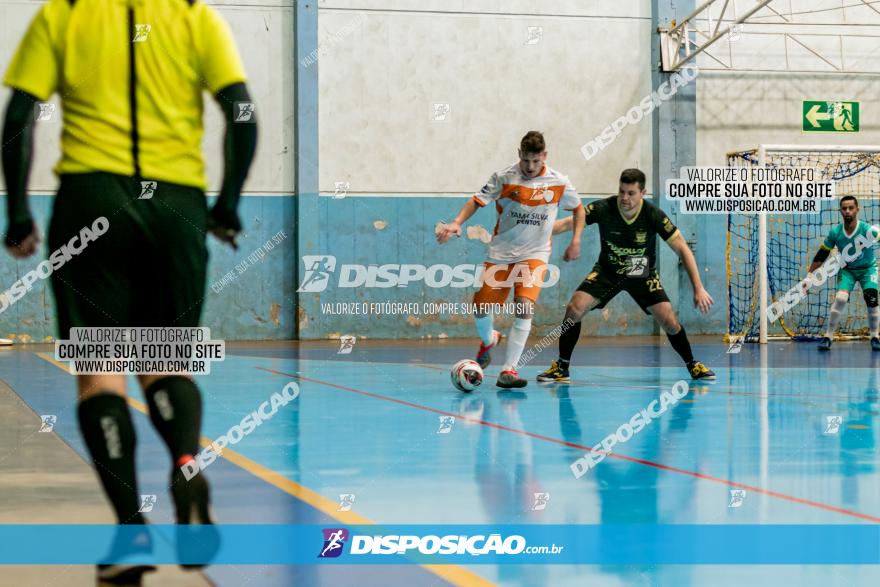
<point>22,239</point>
<point>224,225</point>
<point>448,230</point>
<point>702,300</point>
<point>572,252</point>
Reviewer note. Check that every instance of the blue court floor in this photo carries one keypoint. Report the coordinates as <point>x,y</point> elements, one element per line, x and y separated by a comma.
<point>367,423</point>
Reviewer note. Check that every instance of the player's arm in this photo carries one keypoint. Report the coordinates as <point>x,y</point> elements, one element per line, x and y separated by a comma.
<point>454,227</point>
<point>563,225</point>
<point>222,72</point>
<point>18,139</point>
<point>571,201</point>
<point>821,256</point>
<point>702,300</point>
<point>573,251</point>
<point>239,147</point>
<point>489,192</point>
<point>33,77</point>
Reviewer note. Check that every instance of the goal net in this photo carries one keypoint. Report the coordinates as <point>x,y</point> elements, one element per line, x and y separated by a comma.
<point>791,240</point>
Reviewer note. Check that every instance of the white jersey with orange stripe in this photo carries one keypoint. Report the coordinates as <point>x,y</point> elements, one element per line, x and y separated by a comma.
<point>527,208</point>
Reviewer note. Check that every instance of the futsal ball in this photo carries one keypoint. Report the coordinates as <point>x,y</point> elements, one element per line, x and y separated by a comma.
<point>466,375</point>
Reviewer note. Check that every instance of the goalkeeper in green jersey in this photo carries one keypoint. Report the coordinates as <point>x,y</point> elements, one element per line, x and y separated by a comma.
<point>854,239</point>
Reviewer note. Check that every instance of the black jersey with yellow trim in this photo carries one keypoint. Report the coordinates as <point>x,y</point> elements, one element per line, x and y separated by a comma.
<point>629,247</point>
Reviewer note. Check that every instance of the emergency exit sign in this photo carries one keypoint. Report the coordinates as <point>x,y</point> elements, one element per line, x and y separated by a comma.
<point>830,116</point>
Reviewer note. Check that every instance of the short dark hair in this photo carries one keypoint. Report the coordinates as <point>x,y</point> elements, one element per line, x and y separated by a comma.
<point>845,198</point>
<point>533,142</point>
<point>633,176</point>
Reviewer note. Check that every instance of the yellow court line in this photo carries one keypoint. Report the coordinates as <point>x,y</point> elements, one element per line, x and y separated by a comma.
<point>452,573</point>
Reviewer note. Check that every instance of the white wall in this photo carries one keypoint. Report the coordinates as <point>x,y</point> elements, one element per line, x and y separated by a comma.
<point>739,110</point>
<point>264,34</point>
<point>385,63</point>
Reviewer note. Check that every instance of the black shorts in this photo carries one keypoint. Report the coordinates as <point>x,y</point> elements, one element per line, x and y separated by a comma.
<point>146,265</point>
<point>604,285</point>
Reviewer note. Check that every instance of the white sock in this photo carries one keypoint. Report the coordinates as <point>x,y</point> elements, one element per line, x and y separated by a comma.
<point>837,308</point>
<point>519,334</point>
<point>484,328</point>
<point>874,321</point>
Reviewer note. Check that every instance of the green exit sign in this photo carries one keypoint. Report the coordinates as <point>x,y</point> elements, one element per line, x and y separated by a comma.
<point>830,116</point>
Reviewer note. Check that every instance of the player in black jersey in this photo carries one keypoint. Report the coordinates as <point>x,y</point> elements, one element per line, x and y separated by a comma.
<point>628,226</point>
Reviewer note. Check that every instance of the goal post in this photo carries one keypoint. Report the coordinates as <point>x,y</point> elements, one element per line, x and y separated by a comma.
<point>768,254</point>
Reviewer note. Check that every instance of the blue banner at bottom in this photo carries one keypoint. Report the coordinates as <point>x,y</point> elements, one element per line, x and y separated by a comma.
<point>442,544</point>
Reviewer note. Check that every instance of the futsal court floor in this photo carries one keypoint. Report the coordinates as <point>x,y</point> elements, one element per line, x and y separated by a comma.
<point>368,424</point>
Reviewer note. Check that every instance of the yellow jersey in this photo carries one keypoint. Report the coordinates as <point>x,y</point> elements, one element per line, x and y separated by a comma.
<point>130,76</point>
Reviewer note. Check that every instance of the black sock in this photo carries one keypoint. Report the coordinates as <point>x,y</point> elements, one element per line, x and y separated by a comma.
<point>681,345</point>
<point>107,428</point>
<point>567,341</point>
<point>176,412</point>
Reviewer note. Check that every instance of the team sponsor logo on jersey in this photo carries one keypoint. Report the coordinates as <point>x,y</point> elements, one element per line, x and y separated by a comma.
<point>641,237</point>
<point>592,276</point>
<point>667,225</point>
<point>626,251</point>
<point>542,191</point>
<point>531,218</point>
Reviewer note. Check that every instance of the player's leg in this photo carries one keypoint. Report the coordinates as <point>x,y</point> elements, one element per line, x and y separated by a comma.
<point>519,334</point>
<point>868,280</point>
<point>92,289</point>
<point>491,293</point>
<point>594,292</point>
<point>873,317</point>
<point>649,294</point>
<point>846,280</point>
<point>668,321</point>
<point>106,426</point>
<point>175,405</point>
<point>170,292</point>
<point>526,278</point>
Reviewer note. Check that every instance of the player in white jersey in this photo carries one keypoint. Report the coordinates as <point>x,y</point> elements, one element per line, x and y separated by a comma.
<point>527,196</point>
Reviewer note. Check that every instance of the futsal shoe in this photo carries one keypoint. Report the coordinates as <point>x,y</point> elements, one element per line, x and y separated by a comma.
<point>555,374</point>
<point>6,342</point>
<point>700,371</point>
<point>825,344</point>
<point>510,379</point>
<point>484,357</point>
<point>197,538</point>
<point>875,344</point>
<point>131,555</point>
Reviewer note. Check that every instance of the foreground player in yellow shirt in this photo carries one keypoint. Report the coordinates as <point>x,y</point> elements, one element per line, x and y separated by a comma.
<point>130,77</point>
